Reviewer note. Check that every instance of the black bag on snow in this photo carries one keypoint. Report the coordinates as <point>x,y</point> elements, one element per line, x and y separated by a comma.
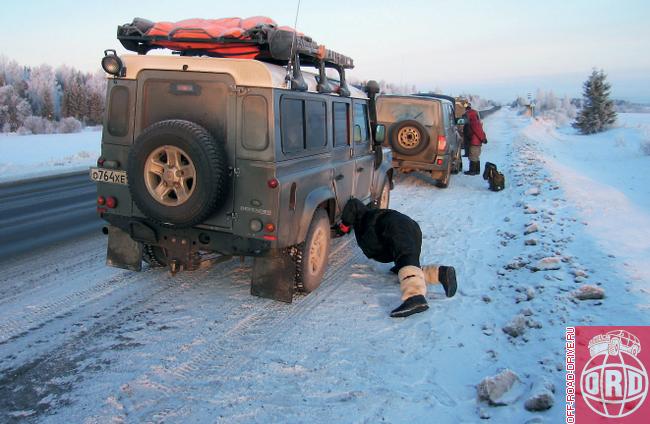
<point>495,178</point>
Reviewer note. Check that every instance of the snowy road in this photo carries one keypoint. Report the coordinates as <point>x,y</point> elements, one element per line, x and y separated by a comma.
<point>80,342</point>
<point>46,210</point>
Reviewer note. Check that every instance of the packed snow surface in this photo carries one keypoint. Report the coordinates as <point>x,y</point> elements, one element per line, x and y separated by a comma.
<point>80,342</point>
<point>27,156</point>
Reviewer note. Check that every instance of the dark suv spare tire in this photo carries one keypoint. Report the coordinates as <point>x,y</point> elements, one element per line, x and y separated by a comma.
<point>177,173</point>
<point>409,137</point>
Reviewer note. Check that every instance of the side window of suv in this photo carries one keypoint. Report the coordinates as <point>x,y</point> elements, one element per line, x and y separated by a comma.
<point>316,124</point>
<point>341,123</point>
<point>361,120</point>
<point>303,125</point>
<point>293,128</point>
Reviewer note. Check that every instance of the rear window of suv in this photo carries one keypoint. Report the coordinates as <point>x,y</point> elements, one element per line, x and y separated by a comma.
<point>426,112</point>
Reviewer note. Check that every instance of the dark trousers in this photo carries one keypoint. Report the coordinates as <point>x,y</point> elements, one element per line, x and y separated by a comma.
<point>406,246</point>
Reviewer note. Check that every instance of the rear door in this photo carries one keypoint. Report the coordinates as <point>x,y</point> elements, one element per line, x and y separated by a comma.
<point>203,98</point>
<point>363,157</point>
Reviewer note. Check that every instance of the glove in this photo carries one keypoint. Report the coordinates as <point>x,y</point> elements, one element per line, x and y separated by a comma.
<point>342,229</point>
<point>485,141</point>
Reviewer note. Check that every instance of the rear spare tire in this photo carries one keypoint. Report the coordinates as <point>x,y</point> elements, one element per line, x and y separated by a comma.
<point>178,173</point>
<point>409,137</point>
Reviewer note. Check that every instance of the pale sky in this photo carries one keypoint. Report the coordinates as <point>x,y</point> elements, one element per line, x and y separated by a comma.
<point>494,48</point>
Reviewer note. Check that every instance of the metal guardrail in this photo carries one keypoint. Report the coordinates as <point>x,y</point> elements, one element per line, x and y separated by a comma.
<point>487,112</point>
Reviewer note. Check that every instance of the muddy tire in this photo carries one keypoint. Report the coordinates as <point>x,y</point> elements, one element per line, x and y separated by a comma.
<point>316,250</point>
<point>409,137</point>
<point>178,173</point>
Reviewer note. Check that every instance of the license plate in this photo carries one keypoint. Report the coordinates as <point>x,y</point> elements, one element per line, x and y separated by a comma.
<point>108,176</point>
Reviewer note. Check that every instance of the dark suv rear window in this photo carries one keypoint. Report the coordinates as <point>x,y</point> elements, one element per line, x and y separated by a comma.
<point>395,109</point>
<point>118,112</point>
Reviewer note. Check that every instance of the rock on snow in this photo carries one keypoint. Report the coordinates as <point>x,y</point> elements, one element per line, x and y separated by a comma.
<point>548,264</point>
<point>516,327</point>
<point>589,292</point>
<point>504,388</point>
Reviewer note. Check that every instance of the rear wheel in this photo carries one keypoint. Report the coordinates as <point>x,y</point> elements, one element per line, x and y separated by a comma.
<point>315,252</point>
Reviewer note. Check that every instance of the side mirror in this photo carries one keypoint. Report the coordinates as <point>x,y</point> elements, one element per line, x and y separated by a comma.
<point>357,134</point>
<point>380,134</point>
<point>460,121</point>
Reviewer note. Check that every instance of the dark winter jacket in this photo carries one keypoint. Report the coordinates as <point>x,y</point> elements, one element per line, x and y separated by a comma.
<point>478,135</point>
<point>384,235</point>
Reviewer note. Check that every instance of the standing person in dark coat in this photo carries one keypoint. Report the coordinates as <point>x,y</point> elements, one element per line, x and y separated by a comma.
<point>477,139</point>
<point>386,235</point>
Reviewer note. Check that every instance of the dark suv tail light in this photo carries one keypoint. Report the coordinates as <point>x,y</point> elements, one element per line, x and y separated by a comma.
<point>111,202</point>
<point>273,183</point>
<point>442,143</point>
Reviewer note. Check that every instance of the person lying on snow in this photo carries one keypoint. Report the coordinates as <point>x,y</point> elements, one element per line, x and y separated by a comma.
<point>386,235</point>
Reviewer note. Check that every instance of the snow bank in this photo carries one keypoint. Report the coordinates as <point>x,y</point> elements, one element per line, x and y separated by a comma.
<point>39,155</point>
<point>605,176</point>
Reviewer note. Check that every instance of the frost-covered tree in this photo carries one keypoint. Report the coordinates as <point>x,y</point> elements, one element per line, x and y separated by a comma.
<point>11,72</point>
<point>597,113</point>
<point>13,109</point>
<point>95,89</point>
<point>42,91</point>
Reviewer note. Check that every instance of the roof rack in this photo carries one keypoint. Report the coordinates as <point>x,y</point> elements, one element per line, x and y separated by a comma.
<point>265,42</point>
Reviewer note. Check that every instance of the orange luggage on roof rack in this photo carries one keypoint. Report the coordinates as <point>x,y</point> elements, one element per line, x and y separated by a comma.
<point>257,37</point>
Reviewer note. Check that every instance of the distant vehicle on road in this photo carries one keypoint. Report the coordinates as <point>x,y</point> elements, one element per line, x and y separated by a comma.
<point>421,130</point>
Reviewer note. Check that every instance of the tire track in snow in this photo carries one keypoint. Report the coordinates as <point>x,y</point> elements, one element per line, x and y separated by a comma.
<point>272,323</point>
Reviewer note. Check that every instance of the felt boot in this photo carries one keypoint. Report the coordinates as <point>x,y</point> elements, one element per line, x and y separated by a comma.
<point>410,306</point>
<point>445,275</point>
<point>414,287</point>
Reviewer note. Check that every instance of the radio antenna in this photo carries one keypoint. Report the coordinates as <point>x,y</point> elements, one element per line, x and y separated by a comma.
<point>293,42</point>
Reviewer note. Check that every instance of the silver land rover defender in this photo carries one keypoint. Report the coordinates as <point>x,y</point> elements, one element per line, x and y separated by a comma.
<point>206,158</point>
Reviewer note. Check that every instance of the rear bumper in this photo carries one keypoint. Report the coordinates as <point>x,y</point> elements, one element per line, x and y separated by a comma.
<point>196,238</point>
<point>432,166</point>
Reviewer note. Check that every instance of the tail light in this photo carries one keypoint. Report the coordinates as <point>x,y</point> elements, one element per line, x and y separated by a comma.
<point>273,183</point>
<point>101,200</point>
<point>100,161</point>
<point>269,227</point>
<point>111,202</point>
<point>442,143</point>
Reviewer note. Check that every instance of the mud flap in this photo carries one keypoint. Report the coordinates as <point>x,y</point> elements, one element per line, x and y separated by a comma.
<point>123,251</point>
<point>273,277</point>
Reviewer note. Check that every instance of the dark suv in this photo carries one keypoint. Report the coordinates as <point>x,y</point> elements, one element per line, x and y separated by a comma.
<point>421,130</point>
<point>207,156</point>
